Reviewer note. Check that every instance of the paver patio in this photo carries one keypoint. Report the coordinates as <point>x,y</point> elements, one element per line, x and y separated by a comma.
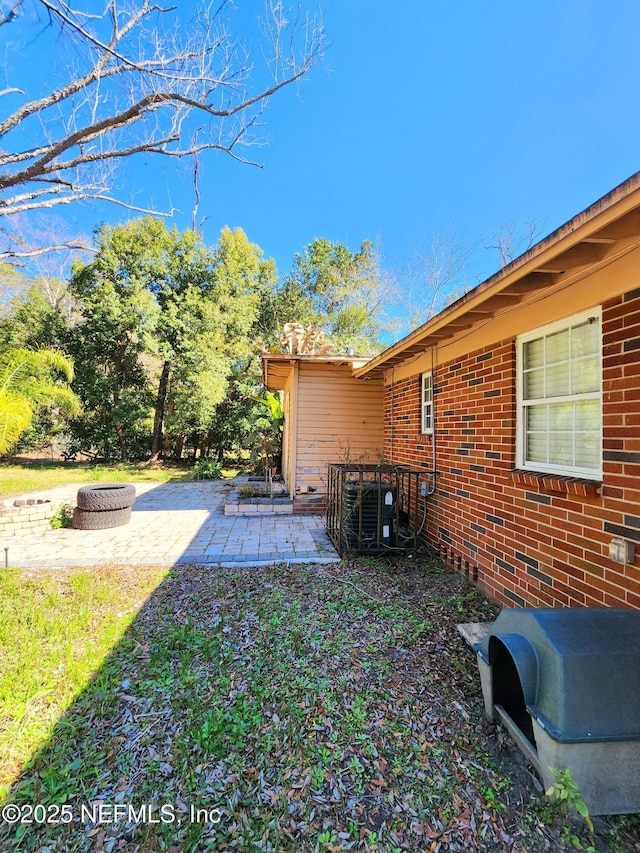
<point>176,523</point>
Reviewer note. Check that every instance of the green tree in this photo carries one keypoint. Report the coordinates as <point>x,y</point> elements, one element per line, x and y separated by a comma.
<point>208,311</point>
<point>239,420</point>
<point>118,316</point>
<point>35,313</point>
<point>164,319</point>
<point>30,320</point>
<point>31,380</point>
<point>12,283</point>
<point>330,287</point>
<point>340,291</point>
<point>270,444</point>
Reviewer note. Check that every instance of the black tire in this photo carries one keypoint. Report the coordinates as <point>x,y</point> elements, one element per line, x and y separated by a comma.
<point>85,520</point>
<point>104,496</point>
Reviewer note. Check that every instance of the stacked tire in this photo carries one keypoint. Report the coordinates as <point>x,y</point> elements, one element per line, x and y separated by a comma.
<point>103,505</point>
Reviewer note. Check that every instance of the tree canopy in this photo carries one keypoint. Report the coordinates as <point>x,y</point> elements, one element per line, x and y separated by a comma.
<point>163,320</point>
<point>333,289</point>
<point>163,332</point>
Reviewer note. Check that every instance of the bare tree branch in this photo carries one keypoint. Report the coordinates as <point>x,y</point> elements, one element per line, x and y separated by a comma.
<point>196,192</point>
<point>509,244</point>
<point>11,14</point>
<point>141,82</point>
<point>86,194</point>
<point>43,250</point>
<point>42,247</point>
<point>435,276</point>
<point>11,91</point>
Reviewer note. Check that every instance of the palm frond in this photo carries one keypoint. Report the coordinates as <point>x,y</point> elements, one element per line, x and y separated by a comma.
<point>15,417</point>
<point>29,380</point>
<point>19,365</point>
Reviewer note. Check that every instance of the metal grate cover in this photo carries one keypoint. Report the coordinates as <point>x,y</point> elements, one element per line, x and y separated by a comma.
<point>375,509</point>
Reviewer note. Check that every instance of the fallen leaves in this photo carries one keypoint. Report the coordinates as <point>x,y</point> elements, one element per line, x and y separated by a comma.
<point>314,715</point>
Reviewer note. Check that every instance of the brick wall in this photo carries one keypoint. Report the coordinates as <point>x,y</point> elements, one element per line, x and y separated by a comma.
<point>22,516</point>
<point>310,504</point>
<point>533,541</point>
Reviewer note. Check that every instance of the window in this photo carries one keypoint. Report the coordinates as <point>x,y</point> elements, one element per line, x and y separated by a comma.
<point>426,404</point>
<point>559,398</point>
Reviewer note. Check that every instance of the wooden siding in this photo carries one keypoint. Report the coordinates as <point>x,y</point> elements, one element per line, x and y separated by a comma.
<point>339,419</point>
<point>289,431</point>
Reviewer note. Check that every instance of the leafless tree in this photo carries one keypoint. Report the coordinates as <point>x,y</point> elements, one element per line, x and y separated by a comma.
<point>434,277</point>
<point>510,240</point>
<point>139,78</point>
<point>12,283</point>
<point>42,247</point>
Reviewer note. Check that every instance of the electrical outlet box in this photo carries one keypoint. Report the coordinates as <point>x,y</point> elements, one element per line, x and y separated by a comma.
<point>621,551</point>
<point>423,490</point>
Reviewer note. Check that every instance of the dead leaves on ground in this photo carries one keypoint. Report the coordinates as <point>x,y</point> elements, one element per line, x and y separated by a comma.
<point>309,714</point>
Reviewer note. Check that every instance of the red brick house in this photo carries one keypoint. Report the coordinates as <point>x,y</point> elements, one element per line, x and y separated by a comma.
<point>525,393</point>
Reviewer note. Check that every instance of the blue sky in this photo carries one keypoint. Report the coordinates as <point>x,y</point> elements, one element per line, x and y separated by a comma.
<point>446,116</point>
<point>443,116</point>
<point>431,118</point>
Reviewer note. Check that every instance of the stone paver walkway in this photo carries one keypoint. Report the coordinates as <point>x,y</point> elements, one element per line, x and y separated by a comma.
<point>176,523</point>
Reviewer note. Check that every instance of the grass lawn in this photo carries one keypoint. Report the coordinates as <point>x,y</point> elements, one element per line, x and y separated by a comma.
<point>31,476</point>
<point>56,630</point>
<point>302,708</point>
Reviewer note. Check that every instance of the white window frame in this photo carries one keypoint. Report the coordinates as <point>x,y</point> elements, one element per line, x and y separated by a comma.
<point>426,403</point>
<point>595,314</point>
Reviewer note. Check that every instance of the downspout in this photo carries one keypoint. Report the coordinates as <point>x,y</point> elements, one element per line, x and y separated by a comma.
<point>433,416</point>
<point>393,406</point>
<point>293,435</point>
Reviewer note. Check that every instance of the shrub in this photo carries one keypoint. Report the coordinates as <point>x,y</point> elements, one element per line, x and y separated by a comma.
<point>248,492</point>
<point>206,469</point>
<point>62,517</point>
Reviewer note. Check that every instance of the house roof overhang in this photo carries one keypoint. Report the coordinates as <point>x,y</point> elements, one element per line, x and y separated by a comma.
<point>604,231</point>
<point>276,367</point>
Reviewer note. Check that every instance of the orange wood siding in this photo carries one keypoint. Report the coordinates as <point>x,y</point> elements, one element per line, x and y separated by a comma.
<point>339,419</point>
<point>289,432</point>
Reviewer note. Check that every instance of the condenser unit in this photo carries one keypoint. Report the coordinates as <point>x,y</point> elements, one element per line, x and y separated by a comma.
<point>374,509</point>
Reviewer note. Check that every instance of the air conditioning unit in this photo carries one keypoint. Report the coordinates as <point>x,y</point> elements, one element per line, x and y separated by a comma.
<point>375,509</point>
<point>368,510</point>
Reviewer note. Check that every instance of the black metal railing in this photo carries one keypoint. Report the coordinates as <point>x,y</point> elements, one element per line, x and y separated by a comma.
<point>374,509</point>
